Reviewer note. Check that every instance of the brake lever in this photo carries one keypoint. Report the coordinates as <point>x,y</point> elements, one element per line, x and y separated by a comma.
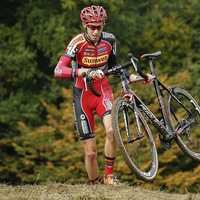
<point>134,61</point>
<point>85,80</point>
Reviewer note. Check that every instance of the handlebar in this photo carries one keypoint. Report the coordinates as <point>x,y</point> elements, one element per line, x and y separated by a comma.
<point>136,66</point>
<point>116,71</point>
<point>89,81</point>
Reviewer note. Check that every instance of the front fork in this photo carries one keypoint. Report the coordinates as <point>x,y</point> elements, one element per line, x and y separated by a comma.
<point>126,119</point>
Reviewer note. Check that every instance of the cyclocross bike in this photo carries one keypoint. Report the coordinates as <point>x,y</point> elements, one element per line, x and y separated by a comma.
<point>180,121</point>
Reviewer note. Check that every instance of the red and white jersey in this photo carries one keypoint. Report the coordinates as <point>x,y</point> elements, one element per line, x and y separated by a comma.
<point>86,54</point>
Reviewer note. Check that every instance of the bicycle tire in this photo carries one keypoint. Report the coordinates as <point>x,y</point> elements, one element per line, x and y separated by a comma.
<point>140,155</point>
<point>189,140</point>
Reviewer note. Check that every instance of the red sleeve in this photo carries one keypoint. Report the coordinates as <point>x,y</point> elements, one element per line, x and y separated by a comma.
<point>62,70</point>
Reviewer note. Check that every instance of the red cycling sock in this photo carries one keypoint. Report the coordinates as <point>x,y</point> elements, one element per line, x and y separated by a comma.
<point>95,181</point>
<point>109,164</point>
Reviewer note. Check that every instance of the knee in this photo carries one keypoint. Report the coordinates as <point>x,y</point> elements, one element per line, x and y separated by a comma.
<point>110,134</point>
<point>91,155</point>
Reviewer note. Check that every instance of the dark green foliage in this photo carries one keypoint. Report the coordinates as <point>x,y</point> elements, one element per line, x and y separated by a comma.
<point>37,133</point>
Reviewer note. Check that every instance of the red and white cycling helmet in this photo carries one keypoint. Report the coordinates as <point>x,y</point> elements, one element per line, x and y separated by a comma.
<point>93,14</point>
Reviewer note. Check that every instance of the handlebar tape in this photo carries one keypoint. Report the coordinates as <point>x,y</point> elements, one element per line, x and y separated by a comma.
<point>110,71</point>
<point>142,74</point>
<point>92,88</point>
<point>106,73</point>
<point>135,62</point>
<point>89,81</point>
<point>126,64</point>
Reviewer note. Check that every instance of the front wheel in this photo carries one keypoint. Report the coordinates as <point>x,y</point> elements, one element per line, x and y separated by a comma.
<point>138,150</point>
<point>179,116</point>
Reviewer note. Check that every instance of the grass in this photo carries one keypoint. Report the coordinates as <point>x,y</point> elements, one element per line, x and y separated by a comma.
<point>58,191</point>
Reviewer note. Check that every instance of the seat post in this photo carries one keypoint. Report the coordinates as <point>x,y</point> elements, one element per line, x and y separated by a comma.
<point>151,66</point>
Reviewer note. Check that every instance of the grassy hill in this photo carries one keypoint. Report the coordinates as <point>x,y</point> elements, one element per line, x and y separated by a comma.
<point>59,191</point>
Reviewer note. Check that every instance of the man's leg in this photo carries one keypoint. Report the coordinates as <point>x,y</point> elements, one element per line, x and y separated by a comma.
<point>91,160</point>
<point>110,152</point>
<point>110,145</point>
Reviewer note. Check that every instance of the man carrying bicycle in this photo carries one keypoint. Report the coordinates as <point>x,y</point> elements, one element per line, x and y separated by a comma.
<point>91,52</point>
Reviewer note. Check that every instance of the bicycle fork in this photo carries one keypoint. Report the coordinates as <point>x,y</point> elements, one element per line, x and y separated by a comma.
<point>126,120</point>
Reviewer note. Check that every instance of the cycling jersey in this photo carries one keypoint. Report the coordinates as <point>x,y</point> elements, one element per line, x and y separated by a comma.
<point>86,54</point>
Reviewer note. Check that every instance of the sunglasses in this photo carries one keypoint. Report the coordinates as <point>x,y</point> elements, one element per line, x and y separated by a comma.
<point>94,27</point>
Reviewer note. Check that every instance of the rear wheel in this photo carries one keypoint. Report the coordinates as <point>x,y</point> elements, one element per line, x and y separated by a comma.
<point>139,153</point>
<point>189,139</point>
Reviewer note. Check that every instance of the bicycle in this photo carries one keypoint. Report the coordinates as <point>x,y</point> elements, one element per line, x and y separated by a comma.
<point>180,121</point>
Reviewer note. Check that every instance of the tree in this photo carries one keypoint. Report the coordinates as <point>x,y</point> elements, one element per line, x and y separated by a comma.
<point>36,135</point>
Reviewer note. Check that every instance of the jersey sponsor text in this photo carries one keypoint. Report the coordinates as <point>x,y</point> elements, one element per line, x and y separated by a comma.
<point>92,60</point>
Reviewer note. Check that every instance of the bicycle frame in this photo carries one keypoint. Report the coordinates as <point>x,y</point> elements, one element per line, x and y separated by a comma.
<point>165,131</point>
<point>162,126</point>
<point>157,85</point>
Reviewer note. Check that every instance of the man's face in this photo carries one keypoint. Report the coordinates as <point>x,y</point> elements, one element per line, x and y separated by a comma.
<point>94,30</point>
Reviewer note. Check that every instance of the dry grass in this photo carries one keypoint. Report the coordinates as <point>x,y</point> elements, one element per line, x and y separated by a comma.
<point>58,191</point>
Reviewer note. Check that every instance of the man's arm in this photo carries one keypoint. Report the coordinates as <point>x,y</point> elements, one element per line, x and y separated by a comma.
<point>63,71</point>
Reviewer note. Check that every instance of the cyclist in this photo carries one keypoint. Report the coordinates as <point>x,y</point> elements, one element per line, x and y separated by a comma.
<point>91,52</point>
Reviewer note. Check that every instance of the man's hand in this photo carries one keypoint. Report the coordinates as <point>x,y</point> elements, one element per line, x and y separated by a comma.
<point>134,77</point>
<point>150,79</point>
<point>96,75</point>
